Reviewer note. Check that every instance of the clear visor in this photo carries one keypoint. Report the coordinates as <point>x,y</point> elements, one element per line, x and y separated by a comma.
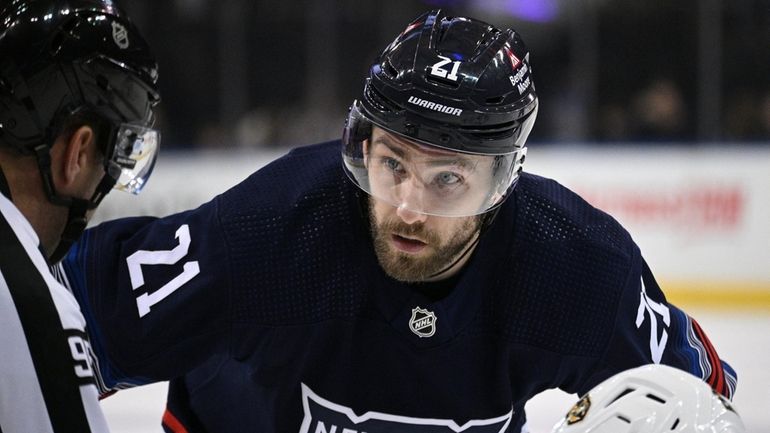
<point>427,179</point>
<point>135,152</point>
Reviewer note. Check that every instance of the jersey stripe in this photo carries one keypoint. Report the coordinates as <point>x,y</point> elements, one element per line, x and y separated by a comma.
<point>46,339</point>
<point>701,358</point>
<point>716,378</point>
<point>104,391</point>
<point>21,400</point>
<point>732,379</point>
<point>171,423</point>
<point>72,278</point>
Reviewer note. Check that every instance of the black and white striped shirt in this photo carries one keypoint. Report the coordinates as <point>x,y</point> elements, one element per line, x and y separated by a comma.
<point>46,367</point>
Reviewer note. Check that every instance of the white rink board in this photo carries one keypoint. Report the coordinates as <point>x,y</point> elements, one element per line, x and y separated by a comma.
<point>697,214</point>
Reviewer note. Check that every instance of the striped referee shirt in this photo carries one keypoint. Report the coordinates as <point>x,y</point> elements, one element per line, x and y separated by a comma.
<point>46,367</point>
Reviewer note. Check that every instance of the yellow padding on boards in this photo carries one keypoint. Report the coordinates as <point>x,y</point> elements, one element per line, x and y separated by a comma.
<point>718,295</point>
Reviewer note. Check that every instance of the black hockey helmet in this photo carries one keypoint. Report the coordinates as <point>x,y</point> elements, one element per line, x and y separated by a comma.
<point>60,58</point>
<point>453,83</point>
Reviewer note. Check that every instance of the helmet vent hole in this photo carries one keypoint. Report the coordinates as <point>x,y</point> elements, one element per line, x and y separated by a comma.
<point>375,98</point>
<point>492,132</point>
<point>656,398</point>
<point>622,418</point>
<point>495,100</point>
<point>619,396</point>
<point>389,69</point>
<point>103,82</point>
<point>443,82</point>
<point>676,423</point>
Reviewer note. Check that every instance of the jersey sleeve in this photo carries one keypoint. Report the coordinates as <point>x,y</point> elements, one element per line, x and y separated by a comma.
<point>648,329</point>
<point>154,292</point>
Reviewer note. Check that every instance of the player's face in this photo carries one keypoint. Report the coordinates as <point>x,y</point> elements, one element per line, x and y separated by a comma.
<point>410,245</point>
<point>427,179</point>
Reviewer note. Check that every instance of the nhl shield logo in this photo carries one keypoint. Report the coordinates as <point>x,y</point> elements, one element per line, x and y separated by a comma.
<point>423,322</point>
<point>579,410</point>
<point>119,35</point>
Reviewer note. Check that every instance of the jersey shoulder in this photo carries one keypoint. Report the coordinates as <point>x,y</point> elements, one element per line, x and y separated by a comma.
<point>291,228</point>
<point>567,267</point>
<point>303,173</point>
<point>551,212</point>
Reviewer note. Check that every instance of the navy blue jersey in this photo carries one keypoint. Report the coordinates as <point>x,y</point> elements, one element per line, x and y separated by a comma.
<point>269,309</point>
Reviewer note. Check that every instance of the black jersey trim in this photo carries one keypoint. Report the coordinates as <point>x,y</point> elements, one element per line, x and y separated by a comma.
<point>47,341</point>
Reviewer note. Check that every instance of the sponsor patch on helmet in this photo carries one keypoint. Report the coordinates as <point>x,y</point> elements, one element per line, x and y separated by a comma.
<point>512,58</point>
<point>521,78</point>
<point>579,410</point>
<point>423,322</point>
<point>435,106</point>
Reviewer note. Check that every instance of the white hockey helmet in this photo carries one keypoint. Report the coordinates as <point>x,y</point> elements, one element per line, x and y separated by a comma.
<point>652,399</point>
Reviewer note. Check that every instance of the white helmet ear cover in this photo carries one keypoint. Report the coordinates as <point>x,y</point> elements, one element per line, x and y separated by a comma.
<point>652,399</point>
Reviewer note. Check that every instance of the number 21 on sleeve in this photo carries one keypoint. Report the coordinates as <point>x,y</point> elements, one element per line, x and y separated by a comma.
<point>135,261</point>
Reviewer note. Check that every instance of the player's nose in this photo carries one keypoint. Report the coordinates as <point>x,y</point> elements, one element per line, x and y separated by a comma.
<point>410,208</point>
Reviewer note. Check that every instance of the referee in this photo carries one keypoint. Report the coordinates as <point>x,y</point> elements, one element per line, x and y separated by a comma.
<point>77,94</point>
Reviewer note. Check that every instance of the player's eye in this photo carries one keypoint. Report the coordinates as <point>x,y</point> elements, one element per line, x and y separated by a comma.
<point>447,179</point>
<point>393,165</point>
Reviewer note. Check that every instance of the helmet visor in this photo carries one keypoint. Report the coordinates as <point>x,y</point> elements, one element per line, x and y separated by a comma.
<point>422,177</point>
<point>135,152</point>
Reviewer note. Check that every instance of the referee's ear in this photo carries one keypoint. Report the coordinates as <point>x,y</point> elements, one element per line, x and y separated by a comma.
<point>73,159</point>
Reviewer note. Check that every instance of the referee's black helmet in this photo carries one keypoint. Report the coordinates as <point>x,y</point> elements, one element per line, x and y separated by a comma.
<point>65,58</point>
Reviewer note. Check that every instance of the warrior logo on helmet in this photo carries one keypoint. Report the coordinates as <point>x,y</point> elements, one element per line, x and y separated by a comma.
<point>435,106</point>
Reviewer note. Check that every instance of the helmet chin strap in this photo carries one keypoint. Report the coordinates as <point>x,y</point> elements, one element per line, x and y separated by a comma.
<point>77,220</point>
<point>76,224</point>
<point>486,221</point>
<point>459,258</point>
<point>77,207</point>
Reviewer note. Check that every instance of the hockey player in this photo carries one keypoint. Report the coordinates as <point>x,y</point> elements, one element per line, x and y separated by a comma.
<point>409,278</point>
<point>77,91</point>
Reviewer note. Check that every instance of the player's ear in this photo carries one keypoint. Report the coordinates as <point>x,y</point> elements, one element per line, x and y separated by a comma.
<point>366,152</point>
<point>76,153</point>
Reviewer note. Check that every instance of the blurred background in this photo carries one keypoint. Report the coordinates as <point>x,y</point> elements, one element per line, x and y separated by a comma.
<point>656,111</point>
<point>251,73</point>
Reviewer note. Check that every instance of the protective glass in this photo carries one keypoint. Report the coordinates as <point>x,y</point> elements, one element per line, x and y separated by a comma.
<point>425,178</point>
<point>134,153</point>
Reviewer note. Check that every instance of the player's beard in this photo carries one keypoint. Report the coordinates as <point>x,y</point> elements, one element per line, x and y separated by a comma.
<point>409,268</point>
